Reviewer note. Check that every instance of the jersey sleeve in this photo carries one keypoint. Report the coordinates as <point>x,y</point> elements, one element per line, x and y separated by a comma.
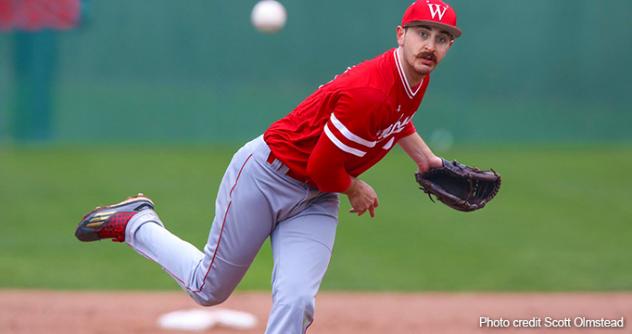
<point>354,123</point>
<point>409,129</point>
<point>349,132</point>
<point>326,167</point>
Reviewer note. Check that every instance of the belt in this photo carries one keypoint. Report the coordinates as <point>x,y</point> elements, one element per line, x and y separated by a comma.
<point>290,173</point>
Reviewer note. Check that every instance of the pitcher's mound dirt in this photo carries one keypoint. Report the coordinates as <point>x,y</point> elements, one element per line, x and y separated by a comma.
<point>50,312</point>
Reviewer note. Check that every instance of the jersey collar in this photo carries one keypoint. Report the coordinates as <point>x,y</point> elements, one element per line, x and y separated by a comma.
<point>409,91</point>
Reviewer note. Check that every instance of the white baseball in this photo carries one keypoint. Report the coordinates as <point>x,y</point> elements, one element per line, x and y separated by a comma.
<point>268,16</point>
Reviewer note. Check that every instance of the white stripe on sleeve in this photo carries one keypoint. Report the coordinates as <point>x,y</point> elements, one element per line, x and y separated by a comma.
<point>350,135</point>
<point>341,145</point>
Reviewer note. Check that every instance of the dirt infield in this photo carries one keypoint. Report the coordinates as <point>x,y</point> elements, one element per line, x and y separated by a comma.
<point>26,311</point>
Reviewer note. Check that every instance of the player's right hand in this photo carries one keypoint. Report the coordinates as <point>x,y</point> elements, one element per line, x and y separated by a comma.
<point>362,197</point>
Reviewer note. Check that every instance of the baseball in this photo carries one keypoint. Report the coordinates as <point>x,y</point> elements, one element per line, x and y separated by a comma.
<point>268,16</point>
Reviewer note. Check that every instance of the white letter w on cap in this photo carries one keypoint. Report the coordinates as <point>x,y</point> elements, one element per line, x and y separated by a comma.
<point>435,9</point>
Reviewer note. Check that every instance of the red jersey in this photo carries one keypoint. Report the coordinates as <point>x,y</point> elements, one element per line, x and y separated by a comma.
<point>348,124</point>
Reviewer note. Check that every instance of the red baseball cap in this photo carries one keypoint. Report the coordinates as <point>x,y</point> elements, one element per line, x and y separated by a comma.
<point>431,12</point>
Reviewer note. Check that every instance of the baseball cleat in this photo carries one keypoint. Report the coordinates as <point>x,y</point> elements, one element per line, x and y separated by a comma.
<point>109,222</point>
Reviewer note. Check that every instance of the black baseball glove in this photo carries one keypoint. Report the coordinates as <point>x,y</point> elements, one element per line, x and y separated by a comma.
<point>460,187</point>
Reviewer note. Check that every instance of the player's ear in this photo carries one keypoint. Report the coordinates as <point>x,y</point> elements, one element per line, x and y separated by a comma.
<point>399,33</point>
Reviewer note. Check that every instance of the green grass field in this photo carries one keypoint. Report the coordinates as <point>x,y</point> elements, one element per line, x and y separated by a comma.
<point>561,222</point>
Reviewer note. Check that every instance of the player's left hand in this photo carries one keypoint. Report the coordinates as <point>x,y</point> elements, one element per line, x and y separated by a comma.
<point>460,186</point>
<point>435,162</point>
<point>431,162</point>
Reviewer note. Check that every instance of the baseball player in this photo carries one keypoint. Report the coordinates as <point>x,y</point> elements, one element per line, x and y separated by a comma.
<point>285,184</point>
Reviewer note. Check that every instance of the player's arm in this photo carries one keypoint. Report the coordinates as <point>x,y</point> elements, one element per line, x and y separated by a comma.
<point>348,134</point>
<point>326,169</point>
<point>421,154</point>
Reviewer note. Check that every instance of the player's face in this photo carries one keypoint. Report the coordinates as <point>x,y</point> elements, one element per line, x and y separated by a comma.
<point>423,47</point>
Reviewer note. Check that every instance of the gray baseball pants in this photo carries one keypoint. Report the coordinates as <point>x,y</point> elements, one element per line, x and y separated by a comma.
<point>256,200</point>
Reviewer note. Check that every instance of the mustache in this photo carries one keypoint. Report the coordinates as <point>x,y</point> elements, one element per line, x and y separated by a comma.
<point>428,54</point>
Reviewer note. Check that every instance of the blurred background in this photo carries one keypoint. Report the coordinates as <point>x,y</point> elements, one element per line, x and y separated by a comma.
<point>102,99</point>
<point>546,71</point>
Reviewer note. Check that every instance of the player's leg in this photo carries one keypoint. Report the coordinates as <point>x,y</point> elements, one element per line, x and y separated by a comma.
<point>301,247</point>
<point>243,220</point>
